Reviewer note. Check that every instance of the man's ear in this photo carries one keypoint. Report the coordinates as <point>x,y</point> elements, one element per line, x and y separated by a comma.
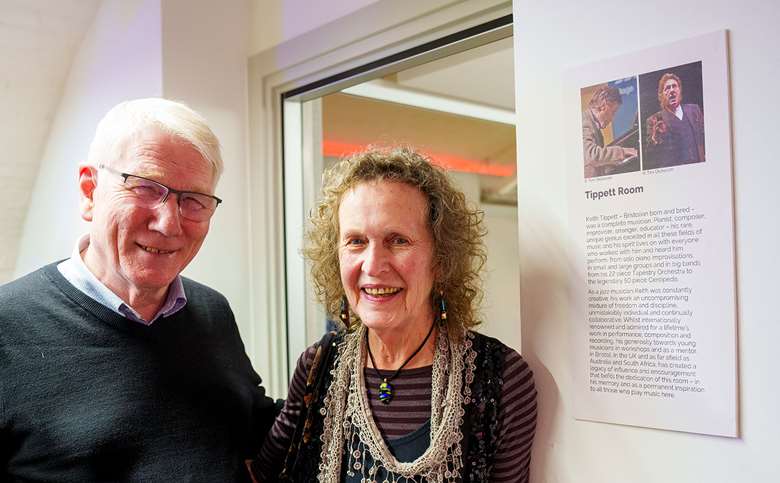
<point>87,186</point>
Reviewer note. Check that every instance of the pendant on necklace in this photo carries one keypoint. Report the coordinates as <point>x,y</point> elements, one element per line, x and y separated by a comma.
<point>385,391</point>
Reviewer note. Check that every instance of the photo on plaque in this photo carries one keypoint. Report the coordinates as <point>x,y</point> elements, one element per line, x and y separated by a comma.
<point>610,128</point>
<point>672,109</point>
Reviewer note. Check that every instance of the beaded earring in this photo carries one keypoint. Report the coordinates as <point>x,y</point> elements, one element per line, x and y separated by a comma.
<point>442,307</point>
<point>344,313</point>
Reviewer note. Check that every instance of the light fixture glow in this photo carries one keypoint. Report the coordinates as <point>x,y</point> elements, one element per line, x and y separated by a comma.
<point>391,92</point>
<point>339,149</point>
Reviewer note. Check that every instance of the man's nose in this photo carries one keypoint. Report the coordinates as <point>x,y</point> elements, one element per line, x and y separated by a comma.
<point>167,217</point>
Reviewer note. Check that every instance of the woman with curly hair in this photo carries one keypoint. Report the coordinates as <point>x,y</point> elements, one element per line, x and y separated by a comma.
<point>407,391</point>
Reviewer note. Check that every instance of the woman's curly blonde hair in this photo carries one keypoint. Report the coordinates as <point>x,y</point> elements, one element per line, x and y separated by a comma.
<point>459,252</point>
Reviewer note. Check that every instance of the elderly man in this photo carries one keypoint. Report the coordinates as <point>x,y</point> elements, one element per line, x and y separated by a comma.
<point>675,134</point>
<point>599,159</point>
<point>113,367</point>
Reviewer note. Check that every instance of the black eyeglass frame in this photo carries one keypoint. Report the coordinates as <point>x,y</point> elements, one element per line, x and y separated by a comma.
<point>168,188</point>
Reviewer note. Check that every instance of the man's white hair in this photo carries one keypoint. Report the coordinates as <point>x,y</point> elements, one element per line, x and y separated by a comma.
<point>130,117</point>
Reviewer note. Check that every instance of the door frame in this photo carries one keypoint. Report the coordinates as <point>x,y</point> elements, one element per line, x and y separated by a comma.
<point>383,37</point>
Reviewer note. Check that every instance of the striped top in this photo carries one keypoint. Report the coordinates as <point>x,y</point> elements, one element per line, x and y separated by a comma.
<point>411,404</point>
<point>411,408</point>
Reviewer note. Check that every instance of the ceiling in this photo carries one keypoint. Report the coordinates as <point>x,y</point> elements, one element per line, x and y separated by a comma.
<point>479,77</point>
<point>455,142</point>
<point>483,75</point>
<point>38,39</point>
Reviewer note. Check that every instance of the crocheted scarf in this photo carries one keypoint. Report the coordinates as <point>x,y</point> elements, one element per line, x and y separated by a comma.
<point>336,427</point>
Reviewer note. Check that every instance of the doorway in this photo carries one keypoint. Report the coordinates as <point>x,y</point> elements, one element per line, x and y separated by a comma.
<point>459,110</point>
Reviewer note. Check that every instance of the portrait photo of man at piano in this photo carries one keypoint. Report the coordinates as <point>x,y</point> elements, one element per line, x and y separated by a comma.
<point>610,139</point>
<point>674,135</point>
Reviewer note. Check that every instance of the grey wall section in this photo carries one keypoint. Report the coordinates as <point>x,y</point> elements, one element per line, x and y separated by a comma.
<point>551,38</point>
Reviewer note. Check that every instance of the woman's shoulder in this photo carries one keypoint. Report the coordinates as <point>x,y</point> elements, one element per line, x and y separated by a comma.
<point>485,342</point>
<point>513,362</point>
<point>328,342</point>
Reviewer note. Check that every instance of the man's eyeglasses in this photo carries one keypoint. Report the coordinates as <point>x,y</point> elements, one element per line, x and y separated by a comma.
<point>151,194</point>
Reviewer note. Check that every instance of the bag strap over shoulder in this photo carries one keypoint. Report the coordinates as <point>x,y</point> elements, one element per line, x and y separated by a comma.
<point>314,387</point>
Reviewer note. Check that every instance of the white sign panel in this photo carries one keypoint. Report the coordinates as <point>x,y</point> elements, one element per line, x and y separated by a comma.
<point>651,212</point>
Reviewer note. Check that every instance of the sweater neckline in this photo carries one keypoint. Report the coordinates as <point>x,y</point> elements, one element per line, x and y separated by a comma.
<point>98,310</point>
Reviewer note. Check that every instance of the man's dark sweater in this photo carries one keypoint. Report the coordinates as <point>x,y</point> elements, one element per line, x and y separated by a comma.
<point>88,395</point>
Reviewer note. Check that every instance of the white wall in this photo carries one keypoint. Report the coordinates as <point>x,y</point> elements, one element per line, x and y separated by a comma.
<point>500,309</point>
<point>549,39</point>
<point>119,59</point>
<point>501,305</point>
<point>204,62</point>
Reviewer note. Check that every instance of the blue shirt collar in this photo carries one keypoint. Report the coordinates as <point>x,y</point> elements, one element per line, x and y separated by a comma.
<point>76,272</point>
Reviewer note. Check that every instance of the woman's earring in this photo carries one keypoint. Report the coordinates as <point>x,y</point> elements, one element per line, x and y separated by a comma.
<point>344,314</point>
<point>442,307</point>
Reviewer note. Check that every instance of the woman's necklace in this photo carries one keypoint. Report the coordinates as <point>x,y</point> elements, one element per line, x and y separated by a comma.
<point>385,388</point>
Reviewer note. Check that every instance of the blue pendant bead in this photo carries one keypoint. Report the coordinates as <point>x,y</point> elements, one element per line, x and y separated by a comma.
<point>385,388</point>
<point>385,392</point>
